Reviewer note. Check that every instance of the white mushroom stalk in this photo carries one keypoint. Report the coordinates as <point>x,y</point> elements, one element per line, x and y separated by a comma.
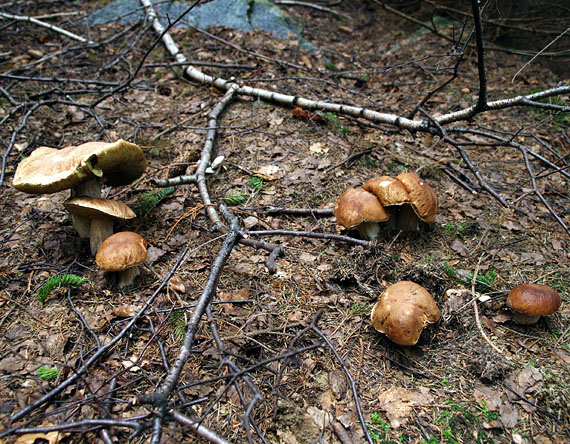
<point>93,217</point>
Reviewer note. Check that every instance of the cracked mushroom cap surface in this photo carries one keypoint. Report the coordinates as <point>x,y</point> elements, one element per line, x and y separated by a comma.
<point>91,207</point>
<point>403,311</point>
<point>356,205</point>
<point>121,251</point>
<point>534,299</point>
<point>49,170</point>
<point>422,197</point>
<point>388,190</point>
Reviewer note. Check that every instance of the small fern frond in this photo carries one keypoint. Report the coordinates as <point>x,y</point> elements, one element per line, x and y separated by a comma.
<point>179,324</point>
<point>235,197</point>
<point>256,182</point>
<point>148,201</point>
<point>61,280</point>
<point>47,373</point>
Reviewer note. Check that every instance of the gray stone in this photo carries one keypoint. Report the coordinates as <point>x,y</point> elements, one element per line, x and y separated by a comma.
<point>245,15</point>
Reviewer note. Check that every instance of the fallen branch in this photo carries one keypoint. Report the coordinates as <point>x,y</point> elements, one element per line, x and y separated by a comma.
<point>23,18</point>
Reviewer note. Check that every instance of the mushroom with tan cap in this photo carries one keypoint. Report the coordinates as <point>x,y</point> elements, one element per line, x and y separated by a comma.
<point>357,208</point>
<point>93,217</point>
<point>403,311</point>
<point>80,168</point>
<point>122,252</point>
<point>412,197</point>
<point>529,302</point>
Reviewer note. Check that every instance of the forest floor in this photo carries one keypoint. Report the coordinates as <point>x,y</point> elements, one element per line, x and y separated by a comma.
<point>450,387</point>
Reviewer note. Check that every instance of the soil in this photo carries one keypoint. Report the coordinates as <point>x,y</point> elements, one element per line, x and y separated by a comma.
<point>453,386</point>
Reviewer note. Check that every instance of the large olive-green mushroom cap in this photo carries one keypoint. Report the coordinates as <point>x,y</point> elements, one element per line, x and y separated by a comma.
<point>530,301</point>
<point>403,311</point>
<point>422,197</point>
<point>93,217</point>
<point>49,170</point>
<point>358,208</point>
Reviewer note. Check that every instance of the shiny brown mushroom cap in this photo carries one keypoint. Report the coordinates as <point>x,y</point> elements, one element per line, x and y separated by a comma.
<point>388,190</point>
<point>403,311</point>
<point>49,170</point>
<point>90,207</point>
<point>422,197</point>
<point>534,300</point>
<point>356,206</point>
<point>121,251</point>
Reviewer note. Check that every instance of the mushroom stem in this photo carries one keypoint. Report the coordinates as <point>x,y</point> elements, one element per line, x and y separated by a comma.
<point>101,229</point>
<point>90,188</point>
<point>368,230</point>
<point>126,277</point>
<point>82,225</point>
<point>407,219</point>
<point>524,319</point>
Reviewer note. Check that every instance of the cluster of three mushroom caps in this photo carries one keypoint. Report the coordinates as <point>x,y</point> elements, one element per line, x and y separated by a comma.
<point>399,202</point>
<point>83,169</point>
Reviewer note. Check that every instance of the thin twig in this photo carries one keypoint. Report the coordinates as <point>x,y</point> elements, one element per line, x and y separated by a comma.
<point>476,309</point>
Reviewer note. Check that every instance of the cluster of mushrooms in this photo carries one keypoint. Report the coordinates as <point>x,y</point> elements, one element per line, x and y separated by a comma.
<point>406,308</point>
<point>83,169</point>
<point>399,202</point>
<point>403,310</point>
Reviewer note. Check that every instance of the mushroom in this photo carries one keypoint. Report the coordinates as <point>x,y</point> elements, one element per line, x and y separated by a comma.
<point>80,168</point>
<point>413,198</point>
<point>529,302</point>
<point>122,252</point>
<point>93,217</point>
<point>360,209</point>
<point>403,311</point>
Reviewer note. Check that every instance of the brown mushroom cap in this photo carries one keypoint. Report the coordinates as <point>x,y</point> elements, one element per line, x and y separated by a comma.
<point>91,207</point>
<point>530,301</point>
<point>403,311</point>
<point>49,170</point>
<point>93,217</point>
<point>356,206</point>
<point>422,197</point>
<point>388,190</point>
<point>121,251</point>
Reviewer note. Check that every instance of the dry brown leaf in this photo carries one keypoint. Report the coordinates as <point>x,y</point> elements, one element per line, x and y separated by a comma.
<point>338,384</point>
<point>319,148</point>
<point>232,296</point>
<point>177,285</point>
<point>398,403</point>
<point>50,437</point>
<point>528,380</point>
<point>268,172</point>
<point>125,311</point>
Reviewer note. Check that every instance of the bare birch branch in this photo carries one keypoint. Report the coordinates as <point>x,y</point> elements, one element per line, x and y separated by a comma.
<point>23,18</point>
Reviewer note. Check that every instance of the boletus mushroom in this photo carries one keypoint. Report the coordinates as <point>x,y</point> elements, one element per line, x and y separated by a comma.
<point>80,168</point>
<point>94,217</point>
<point>122,252</point>
<point>529,302</point>
<point>357,208</point>
<point>408,197</point>
<point>403,311</point>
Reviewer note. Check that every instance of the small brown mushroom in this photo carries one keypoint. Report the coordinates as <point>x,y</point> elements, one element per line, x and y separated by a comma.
<point>122,252</point>
<point>529,302</point>
<point>357,208</point>
<point>93,217</point>
<point>403,311</point>
<point>410,197</point>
